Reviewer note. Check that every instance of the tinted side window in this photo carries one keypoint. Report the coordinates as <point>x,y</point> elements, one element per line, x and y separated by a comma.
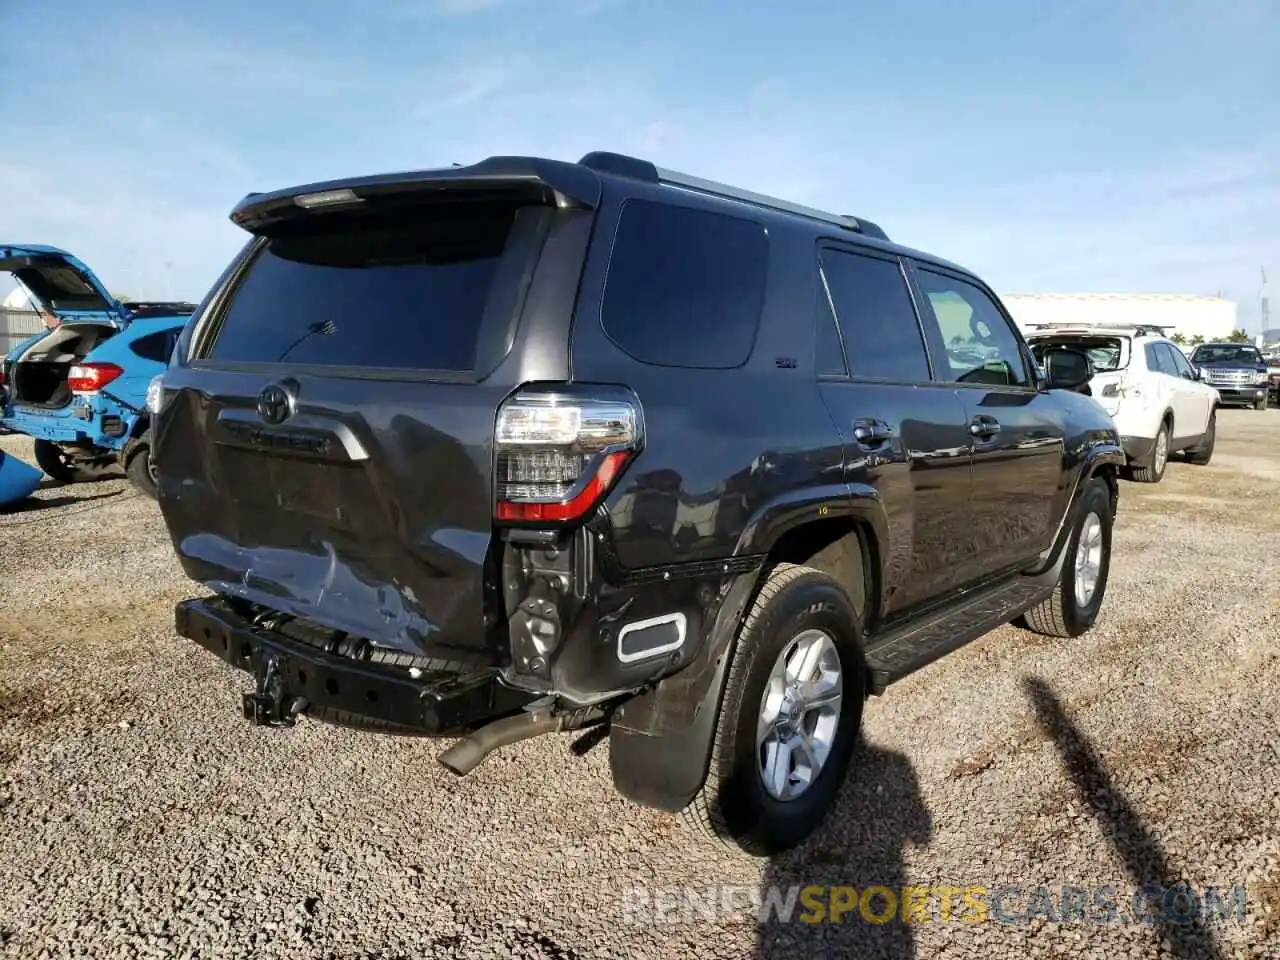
<point>981,346</point>
<point>878,321</point>
<point>1158,360</point>
<point>685,286</point>
<point>1180,364</point>
<point>156,346</point>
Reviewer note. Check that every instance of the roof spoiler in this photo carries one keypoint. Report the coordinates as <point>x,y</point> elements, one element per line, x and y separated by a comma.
<point>159,308</point>
<point>551,182</point>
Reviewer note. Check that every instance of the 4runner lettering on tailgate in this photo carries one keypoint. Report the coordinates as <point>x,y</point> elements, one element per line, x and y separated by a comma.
<point>613,447</point>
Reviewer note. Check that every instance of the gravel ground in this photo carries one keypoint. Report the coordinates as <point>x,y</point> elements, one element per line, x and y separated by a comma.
<point>141,816</point>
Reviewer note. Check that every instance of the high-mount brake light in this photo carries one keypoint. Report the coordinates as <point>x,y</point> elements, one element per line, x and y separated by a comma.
<point>326,198</point>
<point>91,377</point>
<point>558,455</point>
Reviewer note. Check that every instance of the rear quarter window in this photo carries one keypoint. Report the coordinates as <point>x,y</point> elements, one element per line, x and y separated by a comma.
<point>156,346</point>
<point>684,286</point>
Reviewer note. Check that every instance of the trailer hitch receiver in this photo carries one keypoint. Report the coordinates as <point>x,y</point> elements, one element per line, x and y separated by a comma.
<point>269,705</point>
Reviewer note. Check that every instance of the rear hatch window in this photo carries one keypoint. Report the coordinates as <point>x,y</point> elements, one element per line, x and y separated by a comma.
<point>1107,353</point>
<point>391,288</point>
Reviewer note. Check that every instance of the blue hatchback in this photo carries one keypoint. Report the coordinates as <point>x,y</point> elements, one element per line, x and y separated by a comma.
<point>80,388</point>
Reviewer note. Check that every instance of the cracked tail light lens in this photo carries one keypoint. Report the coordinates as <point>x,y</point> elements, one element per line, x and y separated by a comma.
<point>91,377</point>
<point>557,456</point>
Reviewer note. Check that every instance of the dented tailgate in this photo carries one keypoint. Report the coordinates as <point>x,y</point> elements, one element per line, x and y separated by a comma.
<point>325,444</point>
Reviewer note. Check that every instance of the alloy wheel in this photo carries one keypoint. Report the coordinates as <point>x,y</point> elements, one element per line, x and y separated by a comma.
<point>799,714</point>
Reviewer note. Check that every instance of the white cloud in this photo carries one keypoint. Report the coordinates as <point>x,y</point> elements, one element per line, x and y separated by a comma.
<point>106,211</point>
<point>463,7</point>
<point>464,87</point>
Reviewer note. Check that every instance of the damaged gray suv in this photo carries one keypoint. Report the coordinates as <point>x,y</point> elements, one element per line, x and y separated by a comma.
<point>530,446</point>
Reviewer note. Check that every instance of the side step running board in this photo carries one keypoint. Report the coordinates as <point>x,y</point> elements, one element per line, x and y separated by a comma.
<point>904,650</point>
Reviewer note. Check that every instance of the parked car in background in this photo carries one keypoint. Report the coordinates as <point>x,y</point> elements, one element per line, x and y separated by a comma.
<point>1273,378</point>
<point>1148,387</point>
<point>79,388</point>
<point>530,446</point>
<point>1236,370</point>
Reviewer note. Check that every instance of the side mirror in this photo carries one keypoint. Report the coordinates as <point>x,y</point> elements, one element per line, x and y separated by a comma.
<point>1066,369</point>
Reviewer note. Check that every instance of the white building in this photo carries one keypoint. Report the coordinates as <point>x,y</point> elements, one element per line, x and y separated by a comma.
<point>16,300</point>
<point>1212,318</point>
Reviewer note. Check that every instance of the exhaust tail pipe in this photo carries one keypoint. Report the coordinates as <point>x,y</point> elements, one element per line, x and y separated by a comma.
<point>469,752</point>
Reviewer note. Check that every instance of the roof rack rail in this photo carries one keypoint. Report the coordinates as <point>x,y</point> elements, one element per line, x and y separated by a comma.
<point>1141,329</point>
<point>622,165</point>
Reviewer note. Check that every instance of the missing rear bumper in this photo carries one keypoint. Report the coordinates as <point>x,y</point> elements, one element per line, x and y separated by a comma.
<point>292,678</point>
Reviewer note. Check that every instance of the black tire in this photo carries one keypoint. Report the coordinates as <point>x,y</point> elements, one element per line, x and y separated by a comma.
<point>1153,469</point>
<point>1061,615</point>
<point>733,804</point>
<point>137,464</point>
<point>1202,452</point>
<point>69,466</point>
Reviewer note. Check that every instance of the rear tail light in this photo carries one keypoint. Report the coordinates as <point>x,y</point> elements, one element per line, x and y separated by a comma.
<point>91,377</point>
<point>4,359</point>
<point>559,454</point>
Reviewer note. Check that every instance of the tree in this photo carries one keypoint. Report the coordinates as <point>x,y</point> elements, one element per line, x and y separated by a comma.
<point>1179,339</point>
<point>1239,336</point>
<point>1197,340</point>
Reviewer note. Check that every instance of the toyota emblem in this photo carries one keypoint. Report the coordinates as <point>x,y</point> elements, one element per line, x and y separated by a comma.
<point>274,404</point>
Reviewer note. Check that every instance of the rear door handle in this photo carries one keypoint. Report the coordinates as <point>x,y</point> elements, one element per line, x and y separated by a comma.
<point>871,432</point>
<point>983,426</point>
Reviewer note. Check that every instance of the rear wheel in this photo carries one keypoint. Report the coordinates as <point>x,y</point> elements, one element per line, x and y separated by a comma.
<point>1202,452</point>
<point>1073,606</point>
<point>790,715</point>
<point>70,465</point>
<point>1153,470</point>
<point>138,465</point>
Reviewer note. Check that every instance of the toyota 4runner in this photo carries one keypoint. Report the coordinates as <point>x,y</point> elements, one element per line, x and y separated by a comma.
<point>531,446</point>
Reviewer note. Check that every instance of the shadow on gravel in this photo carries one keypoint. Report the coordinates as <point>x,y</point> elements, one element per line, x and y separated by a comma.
<point>1144,859</point>
<point>860,845</point>
<point>36,504</point>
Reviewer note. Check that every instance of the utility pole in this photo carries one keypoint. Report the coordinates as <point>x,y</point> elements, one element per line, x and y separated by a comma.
<point>1264,318</point>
